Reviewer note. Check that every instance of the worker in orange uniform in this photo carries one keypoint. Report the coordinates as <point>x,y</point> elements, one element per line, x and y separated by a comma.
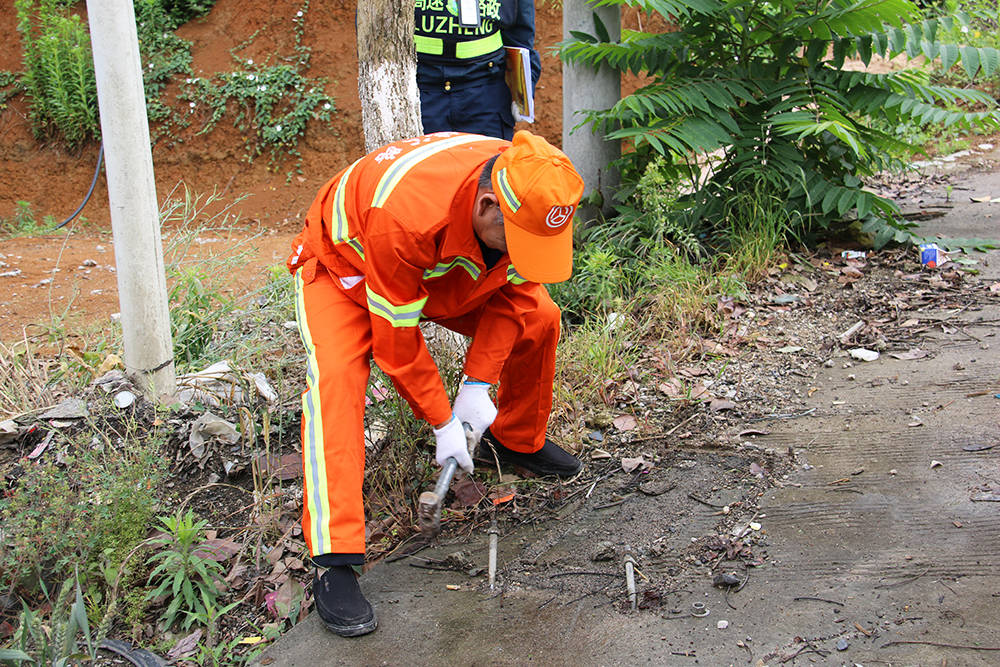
<point>456,228</point>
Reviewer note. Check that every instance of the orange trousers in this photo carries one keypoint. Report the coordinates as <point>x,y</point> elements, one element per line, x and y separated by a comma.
<point>336,332</point>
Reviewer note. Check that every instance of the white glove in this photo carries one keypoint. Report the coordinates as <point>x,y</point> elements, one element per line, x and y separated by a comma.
<point>451,442</point>
<point>474,407</point>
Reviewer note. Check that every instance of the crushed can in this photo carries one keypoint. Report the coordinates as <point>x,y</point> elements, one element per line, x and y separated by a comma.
<point>931,255</point>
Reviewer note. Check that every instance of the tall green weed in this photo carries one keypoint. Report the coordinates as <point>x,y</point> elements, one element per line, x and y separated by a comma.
<point>58,72</point>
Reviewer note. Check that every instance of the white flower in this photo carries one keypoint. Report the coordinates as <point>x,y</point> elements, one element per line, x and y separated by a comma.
<point>261,88</point>
<point>965,28</point>
<point>191,104</point>
<point>299,14</point>
<point>277,128</point>
<point>326,106</point>
<point>250,61</point>
<point>251,77</point>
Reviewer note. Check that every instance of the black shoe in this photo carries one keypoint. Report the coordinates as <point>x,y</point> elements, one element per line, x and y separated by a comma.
<point>551,459</point>
<point>341,605</point>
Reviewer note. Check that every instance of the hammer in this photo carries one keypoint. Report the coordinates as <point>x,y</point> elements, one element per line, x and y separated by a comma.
<point>429,503</point>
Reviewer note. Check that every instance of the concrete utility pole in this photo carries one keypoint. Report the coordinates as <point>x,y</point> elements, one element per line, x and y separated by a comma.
<point>387,72</point>
<point>142,285</point>
<point>587,88</point>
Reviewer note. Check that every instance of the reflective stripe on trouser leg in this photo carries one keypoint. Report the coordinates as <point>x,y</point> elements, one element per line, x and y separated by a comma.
<point>524,398</point>
<point>336,333</point>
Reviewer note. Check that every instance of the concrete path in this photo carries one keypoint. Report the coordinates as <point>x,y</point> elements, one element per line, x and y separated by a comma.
<point>869,542</point>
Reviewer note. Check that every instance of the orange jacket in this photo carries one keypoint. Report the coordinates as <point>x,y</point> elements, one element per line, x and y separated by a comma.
<point>402,218</point>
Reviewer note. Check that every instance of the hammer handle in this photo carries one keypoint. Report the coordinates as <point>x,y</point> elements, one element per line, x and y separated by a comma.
<point>444,479</point>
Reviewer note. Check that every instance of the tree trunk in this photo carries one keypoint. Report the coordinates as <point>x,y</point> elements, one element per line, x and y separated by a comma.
<point>387,72</point>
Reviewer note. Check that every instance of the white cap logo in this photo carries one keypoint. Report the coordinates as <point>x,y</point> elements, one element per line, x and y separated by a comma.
<point>559,216</point>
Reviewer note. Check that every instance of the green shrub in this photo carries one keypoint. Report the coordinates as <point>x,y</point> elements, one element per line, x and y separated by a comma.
<point>747,96</point>
<point>183,11</point>
<point>58,72</point>
<point>85,514</point>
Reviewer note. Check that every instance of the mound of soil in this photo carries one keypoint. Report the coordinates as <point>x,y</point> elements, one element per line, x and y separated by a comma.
<point>54,180</point>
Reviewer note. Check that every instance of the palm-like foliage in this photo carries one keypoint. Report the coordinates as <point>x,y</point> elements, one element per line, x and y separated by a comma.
<point>752,94</point>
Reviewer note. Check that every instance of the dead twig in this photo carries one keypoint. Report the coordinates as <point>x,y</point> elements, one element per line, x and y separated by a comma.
<point>592,573</point>
<point>809,597</point>
<point>903,582</point>
<point>705,502</point>
<point>940,644</point>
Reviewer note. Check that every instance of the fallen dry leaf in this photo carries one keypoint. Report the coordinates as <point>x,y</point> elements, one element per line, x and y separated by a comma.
<point>625,423</point>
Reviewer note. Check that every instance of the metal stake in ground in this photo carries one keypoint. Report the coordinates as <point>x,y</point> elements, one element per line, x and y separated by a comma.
<point>630,577</point>
<point>494,535</point>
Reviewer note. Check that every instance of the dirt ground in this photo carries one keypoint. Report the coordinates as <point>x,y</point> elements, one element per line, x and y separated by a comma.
<point>835,512</point>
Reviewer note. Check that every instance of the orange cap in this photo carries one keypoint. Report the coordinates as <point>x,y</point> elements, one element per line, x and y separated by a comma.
<point>538,189</point>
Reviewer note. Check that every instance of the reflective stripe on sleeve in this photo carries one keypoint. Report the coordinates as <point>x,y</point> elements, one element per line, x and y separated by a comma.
<point>407,315</point>
<point>443,268</point>
<point>514,277</point>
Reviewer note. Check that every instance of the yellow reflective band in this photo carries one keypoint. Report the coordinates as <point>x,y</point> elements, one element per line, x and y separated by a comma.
<point>442,268</point>
<point>479,47</point>
<point>432,46</point>
<point>398,169</point>
<point>473,48</point>
<point>514,277</point>
<point>407,315</point>
<point>317,500</point>
<point>507,192</point>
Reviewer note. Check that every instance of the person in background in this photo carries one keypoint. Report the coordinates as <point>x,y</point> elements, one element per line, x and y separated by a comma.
<point>460,70</point>
<point>459,229</point>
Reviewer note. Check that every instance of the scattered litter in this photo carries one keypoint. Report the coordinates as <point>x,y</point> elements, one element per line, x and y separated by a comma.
<point>854,254</point>
<point>633,464</point>
<point>722,625</point>
<point>625,422</point>
<point>219,385</point>
<point>10,274</point>
<point>599,454</point>
<point>720,404</point>
<point>699,609</point>
<point>842,644</point>
<point>124,399</point>
<point>596,436</point>
<point>453,587</point>
<point>909,355</point>
<point>978,448</point>
<point>786,299</point>
<point>9,432</point>
<point>208,428</point>
<point>863,354</point>
<point>71,408</point>
<point>931,255</point>
<point>753,525</point>
<point>789,349</point>
<point>935,463</point>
